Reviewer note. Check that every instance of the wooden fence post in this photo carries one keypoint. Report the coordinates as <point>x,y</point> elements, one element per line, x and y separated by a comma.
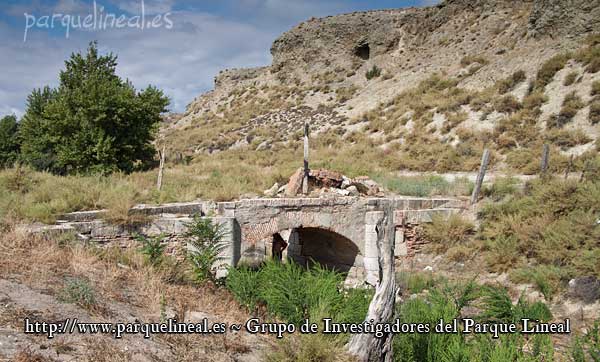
<point>545,159</point>
<point>485,159</point>
<point>306,169</point>
<point>161,166</point>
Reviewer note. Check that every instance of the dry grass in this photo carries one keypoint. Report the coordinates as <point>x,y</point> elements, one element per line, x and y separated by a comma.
<point>570,78</point>
<point>118,276</point>
<point>446,232</point>
<point>594,115</point>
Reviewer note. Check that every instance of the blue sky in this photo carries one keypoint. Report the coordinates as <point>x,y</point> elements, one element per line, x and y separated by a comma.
<point>181,53</point>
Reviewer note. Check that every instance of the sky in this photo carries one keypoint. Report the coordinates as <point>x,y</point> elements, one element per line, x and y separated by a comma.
<point>176,45</point>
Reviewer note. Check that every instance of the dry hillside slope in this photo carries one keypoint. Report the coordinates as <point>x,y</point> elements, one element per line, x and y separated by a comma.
<point>450,78</point>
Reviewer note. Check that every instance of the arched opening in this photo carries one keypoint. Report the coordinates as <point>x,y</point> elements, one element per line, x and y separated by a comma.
<point>325,247</point>
<point>363,51</point>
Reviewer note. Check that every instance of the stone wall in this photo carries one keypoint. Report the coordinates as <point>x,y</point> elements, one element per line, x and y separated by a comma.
<point>336,232</point>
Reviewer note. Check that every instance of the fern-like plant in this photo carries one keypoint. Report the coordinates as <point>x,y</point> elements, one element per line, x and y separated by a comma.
<point>152,248</point>
<point>205,243</point>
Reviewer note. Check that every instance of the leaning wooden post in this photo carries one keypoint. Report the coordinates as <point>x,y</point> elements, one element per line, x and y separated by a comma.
<point>161,166</point>
<point>306,170</point>
<point>365,346</point>
<point>545,156</point>
<point>485,159</point>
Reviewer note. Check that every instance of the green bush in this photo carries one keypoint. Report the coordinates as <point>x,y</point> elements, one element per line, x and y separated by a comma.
<point>587,347</point>
<point>501,188</point>
<point>415,283</point>
<point>448,302</point>
<point>78,291</point>
<point>244,283</point>
<point>292,293</point>
<point>152,248</point>
<point>205,243</point>
<point>373,72</point>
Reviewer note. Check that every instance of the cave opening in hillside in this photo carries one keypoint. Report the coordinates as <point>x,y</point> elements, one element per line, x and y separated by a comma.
<point>363,51</point>
<point>327,248</point>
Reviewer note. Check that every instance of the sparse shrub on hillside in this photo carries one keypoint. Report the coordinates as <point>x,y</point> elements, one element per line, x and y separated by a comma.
<point>572,103</point>
<point>453,120</point>
<point>548,279</point>
<point>508,84</point>
<point>548,70</point>
<point>594,115</point>
<point>590,57</point>
<point>552,222</point>
<point>595,89</point>
<point>501,188</point>
<point>470,59</point>
<point>523,160</point>
<point>344,94</point>
<point>534,100</point>
<point>426,185</point>
<point>507,104</point>
<point>444,232</point>
<point>374,72</point>
<point>570,78</point>
<point>567,138</point>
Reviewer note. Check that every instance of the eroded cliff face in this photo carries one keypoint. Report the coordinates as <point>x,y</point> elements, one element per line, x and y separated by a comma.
<point>320,66</point>
<point>564,18</point>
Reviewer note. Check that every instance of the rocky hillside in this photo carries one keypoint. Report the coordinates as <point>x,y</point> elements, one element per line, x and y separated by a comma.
<point>440,83</point>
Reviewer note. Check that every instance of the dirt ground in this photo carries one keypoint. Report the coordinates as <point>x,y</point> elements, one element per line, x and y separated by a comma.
<point>35,275</point>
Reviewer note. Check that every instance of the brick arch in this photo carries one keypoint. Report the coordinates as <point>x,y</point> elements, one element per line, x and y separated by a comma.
<point>254,234</point>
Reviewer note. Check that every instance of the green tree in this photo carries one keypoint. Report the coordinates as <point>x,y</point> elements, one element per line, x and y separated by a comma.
<point>9,144</point>
<point>93,122</point>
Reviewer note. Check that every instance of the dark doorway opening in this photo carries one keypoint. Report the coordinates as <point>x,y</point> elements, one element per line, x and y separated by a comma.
<point>325,247</point>
<point>363,51</point>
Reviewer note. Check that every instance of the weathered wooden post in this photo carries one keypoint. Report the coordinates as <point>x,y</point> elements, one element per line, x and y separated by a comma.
<point>161,166</point>
<point>365,346</point>
<point>306,170</point>
<point>485,159</point>
<point>545,157</point>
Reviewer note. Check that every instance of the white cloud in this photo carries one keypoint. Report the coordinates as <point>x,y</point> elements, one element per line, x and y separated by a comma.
<point>150,6</point>
<point>182,61</point>
<point>424,3</point>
